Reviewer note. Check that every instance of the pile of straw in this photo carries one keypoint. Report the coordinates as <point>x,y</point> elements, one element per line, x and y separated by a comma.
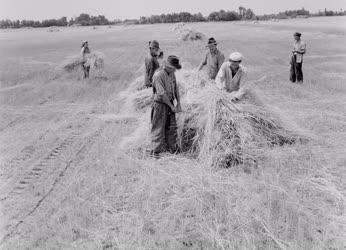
<point>224,134</point>
<point>191,35</point>
<point>178,26</point>
<point>94,60</point>
<point>215,130</point>
<point>53,29</point>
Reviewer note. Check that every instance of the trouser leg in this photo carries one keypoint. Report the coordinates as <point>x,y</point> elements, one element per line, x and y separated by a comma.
<point>293,69</point>
<point>299,71</point>
<point>158,124</point>
<point>171,132</point>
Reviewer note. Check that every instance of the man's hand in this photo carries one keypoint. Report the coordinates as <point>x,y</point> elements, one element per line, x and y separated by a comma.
<point>178,108</point>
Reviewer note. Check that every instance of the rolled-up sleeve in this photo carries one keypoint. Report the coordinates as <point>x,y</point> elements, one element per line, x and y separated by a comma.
<point>204,62</point>
<point>220,77</point>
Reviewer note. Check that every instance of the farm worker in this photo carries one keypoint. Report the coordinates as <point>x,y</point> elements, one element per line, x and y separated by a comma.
<point>151,62</point>
<point>85,50</point>
<point>231,76</point>
<point>299,49</point>
<point>163,121</point>
<point>213,59</point>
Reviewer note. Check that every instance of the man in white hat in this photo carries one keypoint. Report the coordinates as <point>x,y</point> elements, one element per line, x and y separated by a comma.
<point>213,59</point>
<point>231,76</point>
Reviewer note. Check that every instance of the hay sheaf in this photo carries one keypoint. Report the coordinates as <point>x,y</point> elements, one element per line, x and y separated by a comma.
<point>225,134</point>
<point>190,35</point>
<point>214,129</point>
<point>94,60</point>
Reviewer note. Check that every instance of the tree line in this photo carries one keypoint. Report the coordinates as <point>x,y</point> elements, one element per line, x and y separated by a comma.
<point>81,20</point>
<point>216,16</point>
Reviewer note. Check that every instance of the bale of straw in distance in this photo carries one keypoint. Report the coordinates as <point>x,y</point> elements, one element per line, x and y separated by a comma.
<point>94,60</point>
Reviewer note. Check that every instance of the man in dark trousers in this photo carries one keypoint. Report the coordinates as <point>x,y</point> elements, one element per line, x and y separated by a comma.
<point>299,49</point>
<point>163,121</point>
<point>213,59</point>
<point>151,62</point>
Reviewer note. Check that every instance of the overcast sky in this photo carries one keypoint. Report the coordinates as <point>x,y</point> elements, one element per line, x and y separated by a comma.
<point>44,9</point>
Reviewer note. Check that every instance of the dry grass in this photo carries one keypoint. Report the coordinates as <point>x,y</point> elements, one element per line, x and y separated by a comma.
<point>114,196</point>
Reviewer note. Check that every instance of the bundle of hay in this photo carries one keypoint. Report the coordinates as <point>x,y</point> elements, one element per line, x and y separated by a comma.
<point>178,26</point>
<point>53,29</point>
<point>94,60</point>
<point>191,35</point>
<point>225,134</point>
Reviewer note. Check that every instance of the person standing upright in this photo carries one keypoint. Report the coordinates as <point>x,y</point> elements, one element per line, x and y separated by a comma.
<point>85,50</point>
<point>151,62</point>
<point>213,59</point>
<point>299,49</point>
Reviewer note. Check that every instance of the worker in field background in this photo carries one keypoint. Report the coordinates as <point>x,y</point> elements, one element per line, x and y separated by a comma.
<point>151,62</point>
<point>213,59</point>
<point>231,76</point>
<point>85,50</point>
<point>299,49</point>
<point>163,120</point>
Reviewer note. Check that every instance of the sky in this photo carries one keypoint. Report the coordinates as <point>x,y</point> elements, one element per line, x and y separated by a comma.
<point>112,9</point>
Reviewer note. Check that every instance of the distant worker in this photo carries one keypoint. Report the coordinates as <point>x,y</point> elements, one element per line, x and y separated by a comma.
<point>151,62</point>
<point>231,76</point>
<point>299,49</point>
<point>85,50</point>
<point>163,121</point>
<point>213,59</point>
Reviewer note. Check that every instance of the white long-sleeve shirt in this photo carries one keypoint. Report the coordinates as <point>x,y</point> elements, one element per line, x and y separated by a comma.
<point>300,48</point>
<point>224,79</point>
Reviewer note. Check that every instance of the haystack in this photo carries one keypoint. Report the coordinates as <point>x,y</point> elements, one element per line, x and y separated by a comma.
<point>215,130</point>
<point>94,60</point>
<point>191,35</point>
<point>222,133</point>
<point>53,29</point>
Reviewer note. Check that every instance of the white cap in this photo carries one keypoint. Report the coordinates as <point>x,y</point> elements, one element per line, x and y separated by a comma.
<point>235,56</point>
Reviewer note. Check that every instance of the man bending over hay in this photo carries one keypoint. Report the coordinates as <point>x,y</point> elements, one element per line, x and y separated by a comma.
<point>231,75</point>
<point>163,121</point>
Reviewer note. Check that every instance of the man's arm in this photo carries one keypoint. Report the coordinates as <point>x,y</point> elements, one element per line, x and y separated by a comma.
<point>203,63</point>
<point>220,78</point>
<point>177,97</point>
<point>221,60</point>
<point>151,69</point>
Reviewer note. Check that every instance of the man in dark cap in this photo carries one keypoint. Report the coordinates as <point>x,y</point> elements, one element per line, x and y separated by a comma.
<point>163,121</point>
<point>151,62</point>
<point>213,59</point>
<point>299,49</point>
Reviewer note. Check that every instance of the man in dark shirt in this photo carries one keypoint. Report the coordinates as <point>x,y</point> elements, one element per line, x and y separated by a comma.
<point>163,121</point>
<point>151,63</point>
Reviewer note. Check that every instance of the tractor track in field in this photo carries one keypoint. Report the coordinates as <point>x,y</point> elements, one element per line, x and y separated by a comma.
<point>49,167</point>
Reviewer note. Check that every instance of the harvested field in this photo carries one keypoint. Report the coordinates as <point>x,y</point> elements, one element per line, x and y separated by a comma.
<point>264,173</point>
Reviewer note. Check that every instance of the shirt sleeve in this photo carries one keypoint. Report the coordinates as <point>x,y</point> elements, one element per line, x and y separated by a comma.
<point>221,60</point>
<point>204,62</point>
<point>302,48</point>
<point>151,69</point>
<point>159,87</point>
<point>220,77</point>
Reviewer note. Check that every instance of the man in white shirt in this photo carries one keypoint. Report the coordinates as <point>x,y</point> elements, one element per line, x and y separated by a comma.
<point>299,49</point>
<point>231,76</point>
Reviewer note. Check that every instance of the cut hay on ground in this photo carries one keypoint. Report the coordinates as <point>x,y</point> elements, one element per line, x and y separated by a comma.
<point>94,60</point>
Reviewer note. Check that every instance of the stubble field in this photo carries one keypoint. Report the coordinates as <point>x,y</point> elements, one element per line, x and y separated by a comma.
<point>68,182</point>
